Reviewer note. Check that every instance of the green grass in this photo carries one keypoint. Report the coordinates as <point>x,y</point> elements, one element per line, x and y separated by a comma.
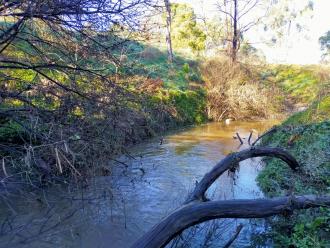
<point>152,62</point>
<point>319,111</point>
<point>302,84</point>
<point>306,135</point>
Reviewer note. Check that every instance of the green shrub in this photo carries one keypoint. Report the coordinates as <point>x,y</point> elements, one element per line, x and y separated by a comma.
<point>186,107</point>
<point>10,132</point>
<point>190,105</point>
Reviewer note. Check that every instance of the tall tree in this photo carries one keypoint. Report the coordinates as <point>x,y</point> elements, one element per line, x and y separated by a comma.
<point>235,38</point>
<point>168,30</point>
<point>234,11</point>
<point>275,17</point>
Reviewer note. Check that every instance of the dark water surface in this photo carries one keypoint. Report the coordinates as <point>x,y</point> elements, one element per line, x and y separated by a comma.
<point>113,211</point>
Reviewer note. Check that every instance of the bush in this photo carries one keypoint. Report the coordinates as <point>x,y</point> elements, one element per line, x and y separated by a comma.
<point>236,91</point>
<point>182,107</point>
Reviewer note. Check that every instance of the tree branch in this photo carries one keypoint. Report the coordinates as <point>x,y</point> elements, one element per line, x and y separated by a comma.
<point>237,232</point>
<point>196,213</point>
<point>272,130</point>
<point>234,158</point>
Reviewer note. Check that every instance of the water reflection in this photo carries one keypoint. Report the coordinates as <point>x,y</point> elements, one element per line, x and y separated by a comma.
<point>115,210</point>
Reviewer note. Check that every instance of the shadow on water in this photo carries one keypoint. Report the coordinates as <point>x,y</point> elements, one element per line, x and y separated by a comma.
<point>113,211</point>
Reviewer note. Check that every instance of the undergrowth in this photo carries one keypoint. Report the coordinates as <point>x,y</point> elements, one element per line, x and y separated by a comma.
<point>238,92</point>
<point>299,84</point>
<point>306,135</point>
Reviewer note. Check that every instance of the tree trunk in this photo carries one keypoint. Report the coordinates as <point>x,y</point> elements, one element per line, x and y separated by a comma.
<point>168,31</point>
<point>234,47</point>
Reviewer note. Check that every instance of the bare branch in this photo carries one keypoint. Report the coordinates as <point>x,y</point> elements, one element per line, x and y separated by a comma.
<point>231,160</point>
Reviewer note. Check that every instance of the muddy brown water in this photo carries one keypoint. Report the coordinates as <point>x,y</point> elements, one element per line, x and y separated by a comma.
<point>115,210</point>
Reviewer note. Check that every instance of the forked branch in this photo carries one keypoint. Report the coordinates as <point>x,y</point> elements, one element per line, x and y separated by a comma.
<point>272,130</point>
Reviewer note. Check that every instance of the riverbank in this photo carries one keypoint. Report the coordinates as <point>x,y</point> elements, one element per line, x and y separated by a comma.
<point>249,91</point>
<point>81,144</point>
<point>65,122</point>
<point>306,135</point>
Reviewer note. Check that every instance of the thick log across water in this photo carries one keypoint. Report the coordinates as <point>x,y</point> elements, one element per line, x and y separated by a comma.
<point>197,209</point>
<point>195,213</point>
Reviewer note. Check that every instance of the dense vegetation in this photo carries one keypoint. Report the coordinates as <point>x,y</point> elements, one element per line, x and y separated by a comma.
<point>69,119</point>
<point>307,136</point>
<point>247,91</point>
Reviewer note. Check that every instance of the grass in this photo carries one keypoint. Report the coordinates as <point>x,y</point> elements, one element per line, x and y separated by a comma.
<point>306,135</point>
<point>319,111</point>
<point>152,62</point>
<point>300,84</point>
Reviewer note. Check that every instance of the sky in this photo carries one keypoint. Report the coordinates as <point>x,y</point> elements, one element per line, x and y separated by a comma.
<point>298,47</point>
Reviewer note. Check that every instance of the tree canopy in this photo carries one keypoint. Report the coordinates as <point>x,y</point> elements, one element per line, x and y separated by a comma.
<point>185,29</point>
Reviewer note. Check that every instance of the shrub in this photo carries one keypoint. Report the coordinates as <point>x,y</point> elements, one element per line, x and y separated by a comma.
<point>236,91</point>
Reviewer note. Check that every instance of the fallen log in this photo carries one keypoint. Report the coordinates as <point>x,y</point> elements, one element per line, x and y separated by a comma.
<point>234,158</point>
<point>198,212</point>
<point>197,208</point>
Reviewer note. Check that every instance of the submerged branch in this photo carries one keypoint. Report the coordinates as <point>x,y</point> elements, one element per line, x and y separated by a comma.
<point>239,138</point>
<point>272,130</point>
<point>237,232</point>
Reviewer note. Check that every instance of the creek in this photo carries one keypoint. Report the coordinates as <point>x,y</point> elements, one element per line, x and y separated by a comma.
<point>155,178</point>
